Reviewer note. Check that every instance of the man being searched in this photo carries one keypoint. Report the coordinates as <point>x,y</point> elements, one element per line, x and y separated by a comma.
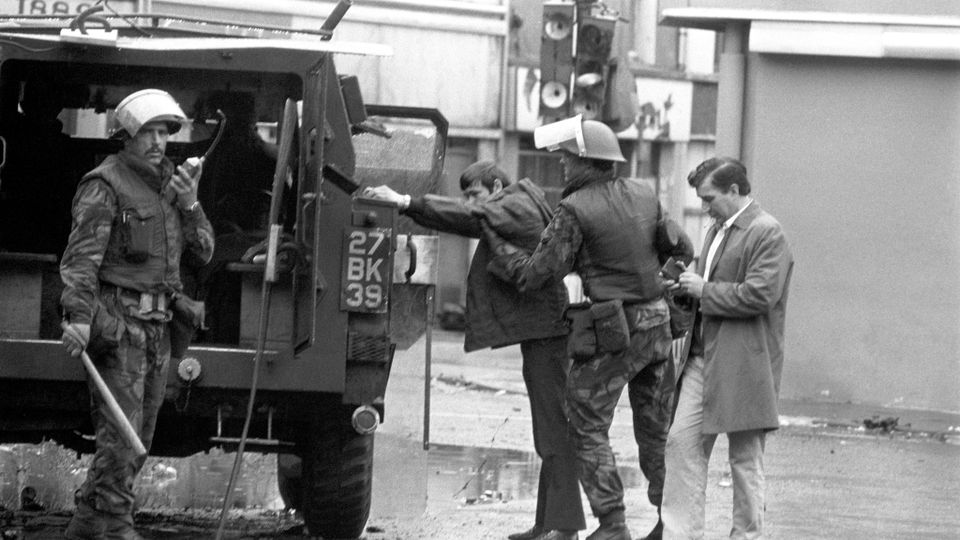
<point>133,216</point>
<point>614,234</point>
<point>497,316</point>
<point>731,380</point>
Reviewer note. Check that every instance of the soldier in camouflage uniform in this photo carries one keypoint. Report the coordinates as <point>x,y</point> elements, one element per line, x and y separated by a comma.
<point>613,233</point>
<point>133,216</point>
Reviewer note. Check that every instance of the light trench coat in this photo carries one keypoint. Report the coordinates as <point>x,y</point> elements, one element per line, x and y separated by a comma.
<point>743,308</point>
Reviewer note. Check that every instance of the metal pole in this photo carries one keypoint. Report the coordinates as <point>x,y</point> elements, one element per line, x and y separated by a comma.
<point>427,357</point>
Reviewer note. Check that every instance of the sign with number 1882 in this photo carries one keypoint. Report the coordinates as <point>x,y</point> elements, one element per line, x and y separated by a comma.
<point>366,271</point>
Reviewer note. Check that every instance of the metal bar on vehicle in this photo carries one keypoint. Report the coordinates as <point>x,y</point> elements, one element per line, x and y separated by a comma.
<point>335,16</point>
<point>427,359</point>
<point>164,20</point>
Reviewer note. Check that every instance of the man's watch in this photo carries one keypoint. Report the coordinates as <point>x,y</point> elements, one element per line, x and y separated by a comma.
<point>193,207</point>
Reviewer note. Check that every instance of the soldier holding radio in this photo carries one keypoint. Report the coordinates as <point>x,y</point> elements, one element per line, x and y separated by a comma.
<point>133,217</point>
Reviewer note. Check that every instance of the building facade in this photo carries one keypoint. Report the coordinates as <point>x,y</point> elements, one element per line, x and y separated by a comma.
<point>847,116</point>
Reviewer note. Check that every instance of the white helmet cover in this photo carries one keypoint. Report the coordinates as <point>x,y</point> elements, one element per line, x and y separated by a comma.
<point>150,105</point>
<point>584,138</point>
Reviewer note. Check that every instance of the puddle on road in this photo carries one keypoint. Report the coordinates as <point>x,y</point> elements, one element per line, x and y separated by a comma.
<point>454,476</point>
<point>461,475</point>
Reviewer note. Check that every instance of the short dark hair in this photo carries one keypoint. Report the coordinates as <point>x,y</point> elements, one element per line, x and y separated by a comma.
<point>723,171</point>
<point>486,171</point>
<point>602,165</point>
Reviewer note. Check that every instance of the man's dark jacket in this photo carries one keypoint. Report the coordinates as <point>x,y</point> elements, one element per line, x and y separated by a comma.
<point>497,314</point>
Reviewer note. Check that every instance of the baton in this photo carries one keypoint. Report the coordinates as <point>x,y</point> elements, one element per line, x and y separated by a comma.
<point>116,413</point>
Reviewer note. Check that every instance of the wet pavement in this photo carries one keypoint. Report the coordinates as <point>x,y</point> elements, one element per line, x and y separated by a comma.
<point>834,470</point>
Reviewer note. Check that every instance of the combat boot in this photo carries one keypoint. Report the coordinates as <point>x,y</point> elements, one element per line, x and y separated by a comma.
<point>657,532</point>
<point>120,527</point>
<point>611,531</point>
<point>86,524</point>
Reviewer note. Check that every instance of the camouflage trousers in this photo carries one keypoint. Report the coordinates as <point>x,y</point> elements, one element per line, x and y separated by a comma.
<point>132,356</point>
<point>593,389</point>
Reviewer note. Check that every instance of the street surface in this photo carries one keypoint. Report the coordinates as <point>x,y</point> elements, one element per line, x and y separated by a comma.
<point>829,477</point>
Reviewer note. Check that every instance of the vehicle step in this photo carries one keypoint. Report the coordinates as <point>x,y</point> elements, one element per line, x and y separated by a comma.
<point>252,444</point>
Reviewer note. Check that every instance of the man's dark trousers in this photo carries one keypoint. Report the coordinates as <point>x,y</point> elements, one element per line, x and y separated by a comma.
<point>545,373</point>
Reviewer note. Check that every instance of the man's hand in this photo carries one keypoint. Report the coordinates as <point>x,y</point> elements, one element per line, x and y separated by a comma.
<point>384,193</point>
<point>691,284</point>
<point>184,183</point>
<point>75,337</point>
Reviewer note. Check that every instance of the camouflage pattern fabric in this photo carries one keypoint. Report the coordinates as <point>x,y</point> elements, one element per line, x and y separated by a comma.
<point>594,387</point>
<point>651,401</point>
<point>94,209</point>
<point>132,356</point>
<point>130,349</point>
<point>559,244</point>
<point>95,215</point>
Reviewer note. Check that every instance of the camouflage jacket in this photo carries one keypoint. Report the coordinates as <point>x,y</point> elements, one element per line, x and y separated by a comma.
<point>108,200</point>
<point>607,230</point>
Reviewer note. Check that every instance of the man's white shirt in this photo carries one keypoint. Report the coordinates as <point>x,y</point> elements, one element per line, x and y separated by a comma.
<point>719,238</point>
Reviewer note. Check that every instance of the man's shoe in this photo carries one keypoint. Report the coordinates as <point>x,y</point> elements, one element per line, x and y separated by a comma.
<point>86,524</point>
<point>611,531</point>
<point>529,534</point>
<point>557,535</point>
<point>656,533</point>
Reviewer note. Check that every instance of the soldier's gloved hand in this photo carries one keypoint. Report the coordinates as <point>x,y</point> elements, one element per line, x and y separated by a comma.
<point>497,243</point>
<point>75,337</point>
<point>491,235</point>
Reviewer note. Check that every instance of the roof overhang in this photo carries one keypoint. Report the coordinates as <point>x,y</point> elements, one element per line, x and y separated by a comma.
<point>832,34</point>
<point>216,44</point>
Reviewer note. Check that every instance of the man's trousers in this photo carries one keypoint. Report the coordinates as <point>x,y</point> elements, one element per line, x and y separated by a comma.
<point>132,356</point>
<point>593,389</point>
<point>687,456</point>
<point>558,493</point>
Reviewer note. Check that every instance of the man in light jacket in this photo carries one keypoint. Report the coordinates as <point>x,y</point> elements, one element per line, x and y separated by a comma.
<point>731,379</point>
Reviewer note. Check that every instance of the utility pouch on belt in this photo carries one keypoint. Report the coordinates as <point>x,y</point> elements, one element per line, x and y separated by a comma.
<point>582,340</point>
<point>610,325</point>
<point>188,315</point>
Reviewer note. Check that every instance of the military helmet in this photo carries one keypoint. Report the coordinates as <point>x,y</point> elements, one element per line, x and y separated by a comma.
<point>150,105</point>
<point>583,138</point>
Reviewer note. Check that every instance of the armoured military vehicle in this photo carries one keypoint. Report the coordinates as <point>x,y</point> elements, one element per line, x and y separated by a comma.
<point>339,303</point>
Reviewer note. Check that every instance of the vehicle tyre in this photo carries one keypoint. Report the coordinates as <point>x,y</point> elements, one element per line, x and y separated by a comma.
<point>337,478</point>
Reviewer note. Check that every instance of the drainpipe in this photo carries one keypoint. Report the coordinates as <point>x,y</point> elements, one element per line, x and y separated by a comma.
<point>505,88</point>
<point>731,91</point>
